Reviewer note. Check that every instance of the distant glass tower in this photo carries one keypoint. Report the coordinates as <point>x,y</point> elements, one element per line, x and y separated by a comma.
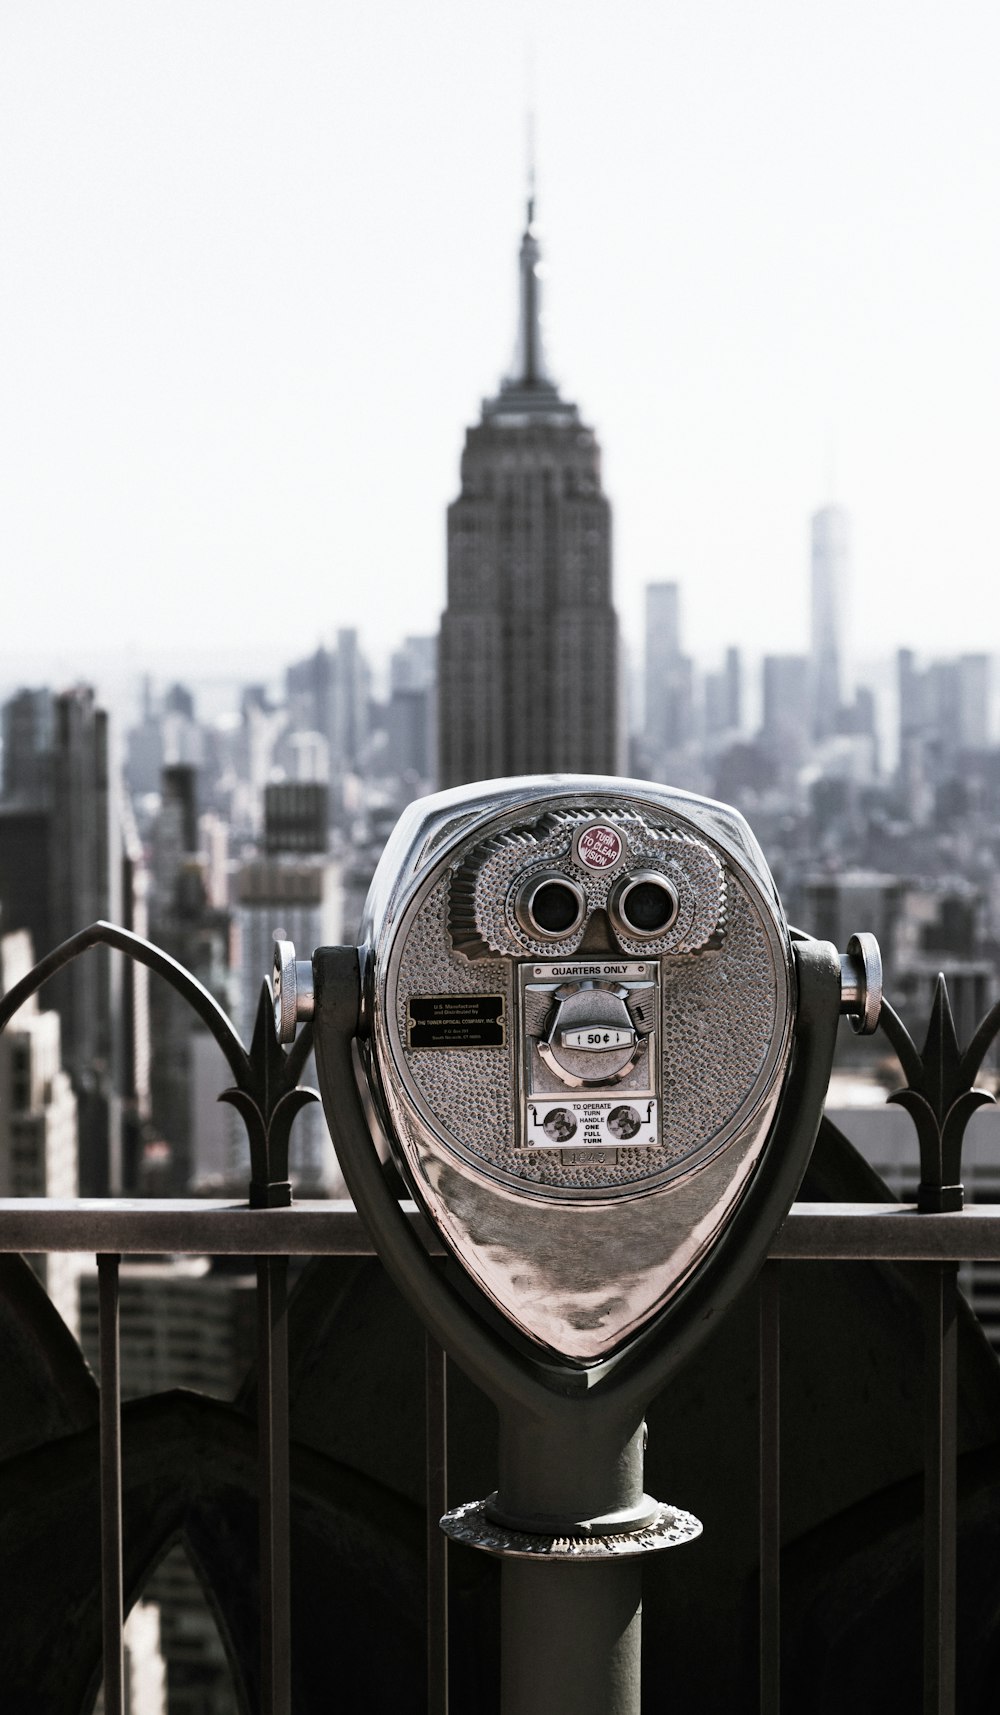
<point>528,646</point>
<point>830,551</point>
<point>669,724</point>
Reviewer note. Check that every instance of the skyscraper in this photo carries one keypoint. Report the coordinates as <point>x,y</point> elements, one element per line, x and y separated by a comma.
<point>291,890</point>
<point>828,616</point>
<point>669,724</point>
<point>724,696</point>
<point>411,714</point>
<point>191,930</point>
<point>38,1111</point>
<point>785,725</point>
<point>329,696</point>
<point>528,645</point>
<point>61,868</point>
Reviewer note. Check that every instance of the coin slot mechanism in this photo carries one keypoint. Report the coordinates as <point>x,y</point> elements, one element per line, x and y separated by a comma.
<point>589,1070</point>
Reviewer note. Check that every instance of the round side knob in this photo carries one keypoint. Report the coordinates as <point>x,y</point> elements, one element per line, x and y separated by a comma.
<point>292,988</point>
<point>861,983</point>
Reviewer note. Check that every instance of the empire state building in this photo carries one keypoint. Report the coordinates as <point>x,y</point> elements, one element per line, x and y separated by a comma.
<point>528,647</point>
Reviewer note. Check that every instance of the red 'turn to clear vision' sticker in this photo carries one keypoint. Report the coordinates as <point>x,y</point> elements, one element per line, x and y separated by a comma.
<point>598,846</point>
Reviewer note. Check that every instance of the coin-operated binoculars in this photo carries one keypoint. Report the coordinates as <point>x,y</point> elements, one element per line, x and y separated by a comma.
<point>599,1059</point>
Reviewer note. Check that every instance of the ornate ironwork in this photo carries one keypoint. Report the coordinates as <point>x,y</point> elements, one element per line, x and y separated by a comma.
<point>940,1095</point>
<point>266,1093</point>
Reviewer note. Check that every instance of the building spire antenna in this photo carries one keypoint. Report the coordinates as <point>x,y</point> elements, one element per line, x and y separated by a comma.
<point>529,123</point>
<point>528,386</point>
<point>530,366</point>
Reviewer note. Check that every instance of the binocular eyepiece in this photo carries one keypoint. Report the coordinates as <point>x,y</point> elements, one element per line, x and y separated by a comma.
<point>642,905</point>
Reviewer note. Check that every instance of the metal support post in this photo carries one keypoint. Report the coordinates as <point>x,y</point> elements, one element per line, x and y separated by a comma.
<point>436,1418</point>
<point>940,1508</point>
<point>112,1627</point>
<point>770,1488</point>
<point>570,1638</point>
<point>272,1430</point>
<point>571,1522</point>
<point>571,1628</point>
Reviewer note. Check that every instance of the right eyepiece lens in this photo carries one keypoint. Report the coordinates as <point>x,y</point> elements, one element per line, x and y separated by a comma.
<point>555,907</point>
<point>647,905</point>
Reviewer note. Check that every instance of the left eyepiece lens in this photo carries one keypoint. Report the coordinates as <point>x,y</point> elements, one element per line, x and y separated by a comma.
<point>555,908</point>
<point>549,905</point>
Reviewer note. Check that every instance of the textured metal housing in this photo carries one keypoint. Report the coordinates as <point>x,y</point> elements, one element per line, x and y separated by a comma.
<point>577,1250</point>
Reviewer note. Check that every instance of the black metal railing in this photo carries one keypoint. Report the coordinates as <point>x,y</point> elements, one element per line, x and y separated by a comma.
<point>878,1232</point>
<point>936,1232</point>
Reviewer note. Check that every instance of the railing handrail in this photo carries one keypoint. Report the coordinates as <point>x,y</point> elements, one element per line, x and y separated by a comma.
<point>201,1226</point>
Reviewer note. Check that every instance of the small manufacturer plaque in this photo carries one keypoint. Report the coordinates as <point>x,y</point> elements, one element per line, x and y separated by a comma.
<point>456,1021</point>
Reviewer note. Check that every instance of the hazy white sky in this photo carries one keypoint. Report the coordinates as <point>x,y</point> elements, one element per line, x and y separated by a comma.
<point>260,269</point>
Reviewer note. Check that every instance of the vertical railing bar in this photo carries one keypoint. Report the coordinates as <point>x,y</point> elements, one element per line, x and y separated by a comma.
<point>940,1500</point>
<point>436,1398</point>
<point>274,1513</point>
<point>110,1433</point>
<point>770,1488</point>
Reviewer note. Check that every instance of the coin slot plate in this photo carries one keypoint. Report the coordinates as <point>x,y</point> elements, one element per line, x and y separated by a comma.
<point>601,1119</point>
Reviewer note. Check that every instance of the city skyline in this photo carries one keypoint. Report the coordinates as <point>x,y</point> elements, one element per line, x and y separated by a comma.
<point>247,319</point>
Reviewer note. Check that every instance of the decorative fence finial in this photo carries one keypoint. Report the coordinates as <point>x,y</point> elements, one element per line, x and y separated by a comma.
<point>940,1096</point>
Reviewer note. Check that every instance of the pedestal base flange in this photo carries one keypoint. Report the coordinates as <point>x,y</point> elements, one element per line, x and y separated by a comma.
<point>471,1525</point>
